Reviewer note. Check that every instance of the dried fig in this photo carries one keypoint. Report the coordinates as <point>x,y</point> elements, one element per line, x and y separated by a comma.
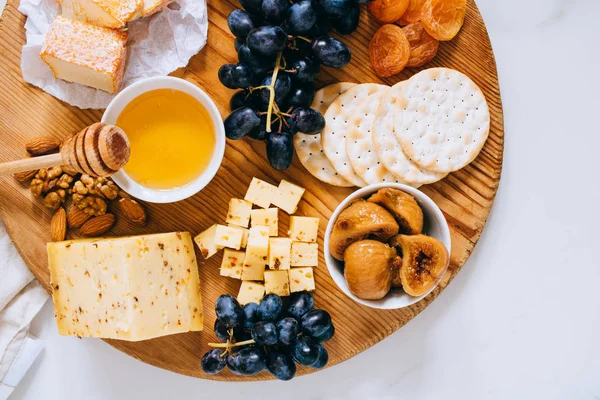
<point>443,19</point>
<point>423,46</point>
<point>424,260</point>
<point>412,13</point>
<point>361,220</point>
<point>388,11</point>
<point>368,269</point>
<point>389,50</point>
<point>403,207</point>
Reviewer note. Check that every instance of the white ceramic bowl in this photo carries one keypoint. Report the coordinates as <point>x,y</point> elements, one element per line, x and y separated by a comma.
<point>166,82</point>
<point>435,225</point>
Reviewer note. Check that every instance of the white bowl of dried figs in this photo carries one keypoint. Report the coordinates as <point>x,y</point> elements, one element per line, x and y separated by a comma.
<point>387,246</point>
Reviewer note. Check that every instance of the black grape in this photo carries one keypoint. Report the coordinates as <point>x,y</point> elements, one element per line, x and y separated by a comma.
<point>325,336</point>
<point>281,365</point>
<point>322,359</point>
<point>335,8</point>
<point>264,333</point>
<point>300,303</point>
<point>315,322</point>
<point>274,11</point>
<point>348,23</point>
<point>287,330</point>
<point>258,64</point>
<point>280,150</point>
<point>228,310</point>
<point>236,76</point>
<point>240,23</point>
<point>252,6</point>
<point>243,98</point>
<point>331,52</point>
<point>308,120</point>
<point>301,18</point>
<point>221,330</point>
<point>267,40</point>
<point>249,361</point>
<point>250,315</point>
<point>213,362</point>
<point>270,308</point>
<point>283,84</point>
<point>301,95</point>
<point>260,133</point>
<point>305,351</point>
<point>306,69</point>
<point>240,122</point>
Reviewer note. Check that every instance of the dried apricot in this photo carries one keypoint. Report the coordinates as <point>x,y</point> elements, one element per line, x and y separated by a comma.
<point>442,19</point>
<point>388,11</point>
<point>423,47</point>
<point>389,50</point>
<point>412,13</point>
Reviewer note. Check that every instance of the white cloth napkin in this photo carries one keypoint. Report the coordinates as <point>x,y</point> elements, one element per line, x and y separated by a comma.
<point>21,297</point>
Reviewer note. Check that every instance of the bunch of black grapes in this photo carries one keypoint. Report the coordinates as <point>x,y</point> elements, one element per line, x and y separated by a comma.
<point>269,336</point>
<point>281,46</point>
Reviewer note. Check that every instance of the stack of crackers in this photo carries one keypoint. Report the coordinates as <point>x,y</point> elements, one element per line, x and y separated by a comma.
<point>415,132</point>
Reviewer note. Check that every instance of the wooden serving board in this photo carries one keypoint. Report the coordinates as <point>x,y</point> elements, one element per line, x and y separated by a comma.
<point>465,196</point>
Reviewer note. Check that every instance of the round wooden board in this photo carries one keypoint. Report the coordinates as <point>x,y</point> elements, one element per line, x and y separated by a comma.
<point>465,196</point>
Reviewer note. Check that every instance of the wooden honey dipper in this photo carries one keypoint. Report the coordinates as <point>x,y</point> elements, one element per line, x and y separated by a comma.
<point>98,150</point>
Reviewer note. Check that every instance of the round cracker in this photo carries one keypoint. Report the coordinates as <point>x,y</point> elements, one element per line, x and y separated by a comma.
<point>360,113</point>
<point>308,147</point>
<point>341,116</point>
<point>442,120</point>
<point>388,148</point>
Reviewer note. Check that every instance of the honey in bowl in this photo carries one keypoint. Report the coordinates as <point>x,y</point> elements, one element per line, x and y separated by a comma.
<point>172,138</point>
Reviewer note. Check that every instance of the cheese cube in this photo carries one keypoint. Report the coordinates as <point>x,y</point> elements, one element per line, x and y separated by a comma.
<point>260,193</point>
<point>226,236</point>
<point>257,252</point>
<point>280,250</point>
<point>288,196</point>
<point>266,217</point>
<point>239,212</point>
<point>259,237</point>
<point>108,13</point>
<point>206,242</point>
<point>87,54</point>
<point>254,266</point>
<point>245,233</point>
<point>305,254</point>
<point>304,229</point>
<point>132,288</point>
<point>277,282</point>
<point>251,292</point>
<point>232,263</point>
<point>154,6</point>
<point>301,279</point>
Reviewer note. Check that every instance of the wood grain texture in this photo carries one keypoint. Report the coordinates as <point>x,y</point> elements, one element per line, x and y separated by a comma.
<point>465,196</point>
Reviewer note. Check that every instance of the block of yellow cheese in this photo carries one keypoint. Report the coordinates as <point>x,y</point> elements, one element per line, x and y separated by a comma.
<point>87,54</point>
<point>108,13</point>
<point>131,288</point>
<point>266,217</point>
<point>154,6</point>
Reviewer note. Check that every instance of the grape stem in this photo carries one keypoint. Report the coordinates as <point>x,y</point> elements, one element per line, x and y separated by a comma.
<point>272,91</point>
<point>229,345</point>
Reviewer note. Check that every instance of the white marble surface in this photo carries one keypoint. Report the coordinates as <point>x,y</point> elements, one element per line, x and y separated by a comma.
<point>520,321</point>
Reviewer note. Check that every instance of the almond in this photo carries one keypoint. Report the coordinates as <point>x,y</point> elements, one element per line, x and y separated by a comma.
<point>76,218</point>
<point>25,176</point>
<point>133,211</point>
<point>98,225</point>
<point>42,145</point>
<point>58,225</point>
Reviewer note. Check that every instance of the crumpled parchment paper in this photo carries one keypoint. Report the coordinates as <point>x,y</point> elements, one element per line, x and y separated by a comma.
<point>158,45</point>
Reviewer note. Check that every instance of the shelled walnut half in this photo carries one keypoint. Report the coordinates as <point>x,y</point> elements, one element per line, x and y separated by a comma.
<point>53,184</point>
<point>91,194</point>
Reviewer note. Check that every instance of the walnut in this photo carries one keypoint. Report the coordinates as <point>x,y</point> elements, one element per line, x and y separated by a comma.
<point>55,199</point>
<point>101,187</point>
<point>89,204</point>
<point>53,184</point>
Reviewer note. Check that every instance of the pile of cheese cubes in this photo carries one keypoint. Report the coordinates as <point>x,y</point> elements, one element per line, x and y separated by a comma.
<point>269,264</point>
